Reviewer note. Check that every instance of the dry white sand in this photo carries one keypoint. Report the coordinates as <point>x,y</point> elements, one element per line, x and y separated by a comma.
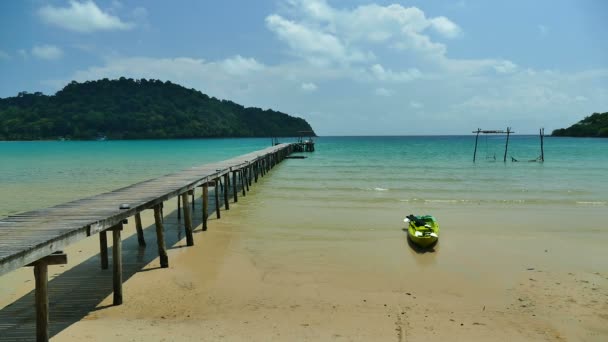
<point>249,278</point>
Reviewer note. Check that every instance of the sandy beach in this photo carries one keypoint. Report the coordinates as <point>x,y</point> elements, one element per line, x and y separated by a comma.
<point>278,270</point>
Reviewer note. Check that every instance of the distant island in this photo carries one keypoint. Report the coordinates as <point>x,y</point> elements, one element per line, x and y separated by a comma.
<point>595,125</point>
<point>136,109</point>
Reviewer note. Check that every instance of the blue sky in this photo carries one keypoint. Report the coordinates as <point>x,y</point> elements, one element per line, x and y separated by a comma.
<point>348,67</point>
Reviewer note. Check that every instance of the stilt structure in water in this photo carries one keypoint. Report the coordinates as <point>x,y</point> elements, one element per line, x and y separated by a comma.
<point>305,142</point>
<point>508,132</point>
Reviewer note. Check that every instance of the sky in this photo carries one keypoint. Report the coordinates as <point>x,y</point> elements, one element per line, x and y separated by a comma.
<point>348,67</point>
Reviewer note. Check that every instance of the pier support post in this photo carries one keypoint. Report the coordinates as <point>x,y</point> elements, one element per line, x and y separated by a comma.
<point>216,194</point>
<point>226,181</point>
<point>140,231</point>
<point>476,138</point>
<point>242,182</point>
<point>103,249</point>
<point>507,144</point>
<point>41,278</point>
<point>160,238</point>
<point>250,173</point>
<point>234,188</point>
<point>191,192</point>
<point>179,208</point>
<point>205,205</point>
<point>117,264</point>
<point>246,177</point>
<point>187,219</point>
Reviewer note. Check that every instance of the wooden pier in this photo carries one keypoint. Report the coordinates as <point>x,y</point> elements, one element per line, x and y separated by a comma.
<point>37,238</point>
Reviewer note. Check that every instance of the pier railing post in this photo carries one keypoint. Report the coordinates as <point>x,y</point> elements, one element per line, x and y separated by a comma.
<point>160,238</point>
<point>187,220</point>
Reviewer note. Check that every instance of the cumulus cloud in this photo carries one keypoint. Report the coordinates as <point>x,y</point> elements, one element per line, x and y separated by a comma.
<point>48,52</point>
<point>309,86</point>
<point>312,44</point>
<point>239,65</point>
<point>383,74</point>
<point>83,17</point>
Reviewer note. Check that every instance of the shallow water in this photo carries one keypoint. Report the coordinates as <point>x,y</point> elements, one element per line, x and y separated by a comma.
<point>418,172</point>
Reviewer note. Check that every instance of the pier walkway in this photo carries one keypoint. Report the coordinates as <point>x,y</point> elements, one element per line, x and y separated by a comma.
<point>37,238</point>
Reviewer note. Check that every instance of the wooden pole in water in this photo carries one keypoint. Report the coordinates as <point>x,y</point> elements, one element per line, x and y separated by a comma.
<point>160,238</point>
<point>234,189</point>
<point>103,249</point>
<point>542,150</point>
<point>507,144</point>
<point>476,138</point>
<point>226,181</point>
<point>246,175</point>
<point>216,193</point>
<point>205,205</point>
<point>140,231</point>
<point>41,276</point>
<point>187,220</point>
<point>250,174</point>
<point>117,264</point>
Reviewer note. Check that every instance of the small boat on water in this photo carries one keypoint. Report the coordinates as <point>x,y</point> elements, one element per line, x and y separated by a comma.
<point>422,230</point>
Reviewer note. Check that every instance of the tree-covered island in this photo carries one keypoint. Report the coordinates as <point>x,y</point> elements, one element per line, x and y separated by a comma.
<point>136,109</point>
<point>595,125</point>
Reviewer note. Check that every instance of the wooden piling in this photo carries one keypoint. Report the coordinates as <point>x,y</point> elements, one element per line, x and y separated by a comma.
<point>242,182</point>
<point>192,193</point>
<point>205,205</point>
<point>117,264</point>
<point>140,231</point>
<point>41,276</point>
<point>160,238</point>
<point>476,138</point>
<point>234,189</point>
<point>179,208</point>
<point>542,149</point>
<point>226,181</point>
<point>103,249</point>
<point>187,220</point>
<point>507,144</point>
<point>216,193</point>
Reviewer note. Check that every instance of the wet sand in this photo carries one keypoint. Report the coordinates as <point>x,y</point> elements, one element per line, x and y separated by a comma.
<point>292,270</point>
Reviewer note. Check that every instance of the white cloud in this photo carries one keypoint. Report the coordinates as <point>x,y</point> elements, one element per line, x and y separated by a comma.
<point>445,27</point>
<point>308,87</point>
<point>383,92</point>
<point>542,30</point>
<point>48,52</point>
<point>312,44</point>
<point>388,75</point>
<point>83,17</point>
<point>239,65</point>
<point>416,105</point>
<point>23,53</point>
<point>4,56</point>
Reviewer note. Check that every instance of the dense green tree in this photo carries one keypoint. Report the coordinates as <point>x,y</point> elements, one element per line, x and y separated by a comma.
<point>136,109</point>
<point>595,125</point>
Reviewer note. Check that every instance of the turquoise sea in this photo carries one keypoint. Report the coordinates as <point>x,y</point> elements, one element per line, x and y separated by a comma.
<point>420,171</point>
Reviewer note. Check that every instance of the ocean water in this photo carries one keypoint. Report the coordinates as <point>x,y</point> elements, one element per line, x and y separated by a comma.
<point>417,171</point>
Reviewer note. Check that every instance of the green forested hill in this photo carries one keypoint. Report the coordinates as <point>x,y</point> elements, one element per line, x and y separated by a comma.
<point>595,125</point>
<point>136,109</point>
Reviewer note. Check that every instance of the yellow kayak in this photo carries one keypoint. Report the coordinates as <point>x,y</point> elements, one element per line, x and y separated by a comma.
<point>422,230</point>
